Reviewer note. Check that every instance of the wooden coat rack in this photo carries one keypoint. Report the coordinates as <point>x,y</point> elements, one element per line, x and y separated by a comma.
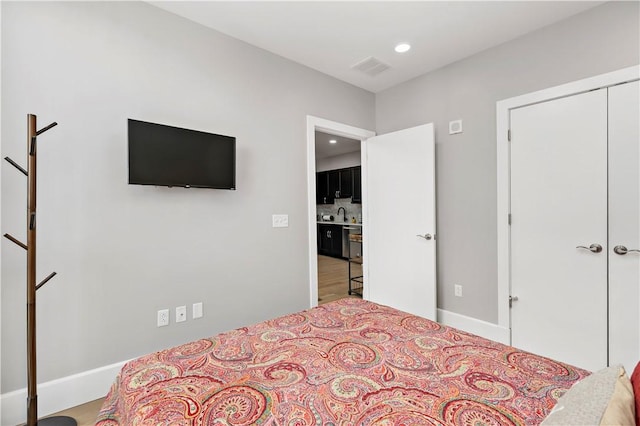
<point>32,287</point>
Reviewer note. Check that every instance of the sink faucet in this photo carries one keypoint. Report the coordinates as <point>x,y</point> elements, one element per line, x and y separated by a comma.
<point>344,213</point>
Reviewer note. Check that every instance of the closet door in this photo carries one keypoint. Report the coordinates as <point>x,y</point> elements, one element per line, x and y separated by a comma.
<point>624,224</point>
<point>559,229</point>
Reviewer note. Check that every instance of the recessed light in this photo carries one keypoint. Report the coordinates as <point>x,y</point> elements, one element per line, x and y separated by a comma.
<point>333,141</point>
<point>402,47</point>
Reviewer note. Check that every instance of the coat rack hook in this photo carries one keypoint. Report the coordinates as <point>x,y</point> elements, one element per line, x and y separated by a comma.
<point>43,282</point>
<point>39,132</point>
<point>15,240</point>
<point>16,165</point>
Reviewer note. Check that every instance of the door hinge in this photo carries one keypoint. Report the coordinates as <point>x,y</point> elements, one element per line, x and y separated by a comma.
<point>509,218</point>
<point>509,135</point>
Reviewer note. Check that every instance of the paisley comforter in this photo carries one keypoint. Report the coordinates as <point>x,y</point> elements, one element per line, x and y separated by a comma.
<point>350,362</point>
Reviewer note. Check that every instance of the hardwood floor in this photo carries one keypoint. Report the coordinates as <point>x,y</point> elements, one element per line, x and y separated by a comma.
<point>84,414</point>
<point>333,277</point>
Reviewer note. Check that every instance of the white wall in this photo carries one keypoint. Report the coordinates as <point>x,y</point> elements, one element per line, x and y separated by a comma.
<point>599,40</point>
<point>123,251</point>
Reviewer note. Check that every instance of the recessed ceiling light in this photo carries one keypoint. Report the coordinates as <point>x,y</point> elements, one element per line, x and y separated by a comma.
<point>333,141</point>
<point>402,47</point>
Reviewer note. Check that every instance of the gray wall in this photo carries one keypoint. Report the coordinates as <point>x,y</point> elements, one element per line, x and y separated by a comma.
<point>350,159</point>
<point>600,40</point>
<point>123,251</point>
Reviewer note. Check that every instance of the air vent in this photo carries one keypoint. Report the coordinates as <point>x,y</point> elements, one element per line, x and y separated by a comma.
<point>371,66</point>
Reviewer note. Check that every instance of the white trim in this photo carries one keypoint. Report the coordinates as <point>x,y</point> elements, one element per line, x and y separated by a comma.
<point>60,394</point>
<point>338,129</point>
<point>475,326</point>
<point>0,207</point>
<point>503,109</point>
<point>364,173</point>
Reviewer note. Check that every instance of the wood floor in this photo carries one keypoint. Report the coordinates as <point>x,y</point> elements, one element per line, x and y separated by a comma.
<point>85,414</point>
<point>333,278</point>
<point>333,284</point>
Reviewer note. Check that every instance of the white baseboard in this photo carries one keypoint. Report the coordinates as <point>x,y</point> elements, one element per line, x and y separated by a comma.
<point>59,394</point>
<point>475,326</point>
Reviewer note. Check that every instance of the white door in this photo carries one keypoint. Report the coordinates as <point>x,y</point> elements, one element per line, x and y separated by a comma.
<point>624,224</point>
<point>559,229</point>
<point>400,234</point>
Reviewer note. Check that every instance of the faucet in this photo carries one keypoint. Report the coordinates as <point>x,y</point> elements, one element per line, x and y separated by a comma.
<point>344,213</point>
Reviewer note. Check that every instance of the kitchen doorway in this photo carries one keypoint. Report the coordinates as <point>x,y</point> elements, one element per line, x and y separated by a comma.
<point>330,213</point>
<point>339,217</point>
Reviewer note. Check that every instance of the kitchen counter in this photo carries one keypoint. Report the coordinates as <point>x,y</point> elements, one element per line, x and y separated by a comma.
<point>337,222</point>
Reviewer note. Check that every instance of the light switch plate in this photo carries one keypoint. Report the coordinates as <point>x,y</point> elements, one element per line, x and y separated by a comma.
<point>280,220</point>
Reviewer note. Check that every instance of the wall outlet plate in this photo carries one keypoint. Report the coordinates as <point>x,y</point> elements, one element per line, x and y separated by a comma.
<point>163,317</point>
<point>197,310</point>
<point>457,290</point>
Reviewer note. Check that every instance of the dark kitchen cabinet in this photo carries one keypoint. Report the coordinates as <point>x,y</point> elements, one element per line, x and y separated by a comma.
<point>341,183</point>
<point>346,182</point>
<point>334,183</point>
<point>356,196</point>
<point>323,196</point>
<point>330,240</point>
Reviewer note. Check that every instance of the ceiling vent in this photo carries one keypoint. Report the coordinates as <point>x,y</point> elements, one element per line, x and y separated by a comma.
<point>371,66</point>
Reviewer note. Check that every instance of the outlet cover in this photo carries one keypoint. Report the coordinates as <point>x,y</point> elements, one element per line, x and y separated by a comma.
<point>197,310</point>
<point>280,220</point>
<point>457,289</point>
<point>163,317</point>
<point>181,313</point>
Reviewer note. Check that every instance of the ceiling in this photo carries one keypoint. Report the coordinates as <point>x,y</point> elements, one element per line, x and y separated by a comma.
<point>343,145</point>
<point>333,36</point>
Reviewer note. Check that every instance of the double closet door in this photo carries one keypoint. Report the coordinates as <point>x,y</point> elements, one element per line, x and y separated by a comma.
<point>575,229</point>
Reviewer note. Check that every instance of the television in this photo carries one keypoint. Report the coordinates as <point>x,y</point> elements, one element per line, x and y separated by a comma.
<point>171,156</point>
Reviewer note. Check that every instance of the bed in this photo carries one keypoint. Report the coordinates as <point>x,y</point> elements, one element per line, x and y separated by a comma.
<point>349,362</point>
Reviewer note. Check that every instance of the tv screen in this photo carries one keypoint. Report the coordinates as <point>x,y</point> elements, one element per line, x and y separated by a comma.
<point>170,156</point>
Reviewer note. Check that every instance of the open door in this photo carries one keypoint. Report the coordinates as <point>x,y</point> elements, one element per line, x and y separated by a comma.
<point>400,246</point>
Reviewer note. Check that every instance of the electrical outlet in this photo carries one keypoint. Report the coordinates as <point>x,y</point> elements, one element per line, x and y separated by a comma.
<point>457,290</point>
<point>181,313</point>
<point>163,317</point>
<point>197,310</point>
<point>280,220</point>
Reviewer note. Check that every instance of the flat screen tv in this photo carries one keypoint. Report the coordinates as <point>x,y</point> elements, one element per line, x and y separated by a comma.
<point>171,156</point>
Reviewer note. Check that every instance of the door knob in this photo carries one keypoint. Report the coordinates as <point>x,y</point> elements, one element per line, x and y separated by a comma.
<point>595,248</point>
<point>622,250</point>
<point>425,236</point>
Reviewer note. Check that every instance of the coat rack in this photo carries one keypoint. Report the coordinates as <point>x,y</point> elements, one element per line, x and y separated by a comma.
<point>30,247</point>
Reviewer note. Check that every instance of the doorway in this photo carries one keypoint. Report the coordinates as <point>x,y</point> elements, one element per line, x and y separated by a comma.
<point>321,128</point>
<point>339,216</point>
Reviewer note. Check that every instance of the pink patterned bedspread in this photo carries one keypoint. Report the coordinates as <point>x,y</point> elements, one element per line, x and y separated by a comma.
<point>349,362</point>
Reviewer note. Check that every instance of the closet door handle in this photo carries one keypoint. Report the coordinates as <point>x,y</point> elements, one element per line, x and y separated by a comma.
<point>426,236</point>
<point>595,248</point>
<point>622,250</point>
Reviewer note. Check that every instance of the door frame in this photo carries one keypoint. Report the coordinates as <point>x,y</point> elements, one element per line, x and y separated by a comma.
<point>339,129</point>
<point>503,109</point>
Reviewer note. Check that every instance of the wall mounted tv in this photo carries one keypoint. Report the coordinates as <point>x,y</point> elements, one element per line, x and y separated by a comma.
<point>171,156</point>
